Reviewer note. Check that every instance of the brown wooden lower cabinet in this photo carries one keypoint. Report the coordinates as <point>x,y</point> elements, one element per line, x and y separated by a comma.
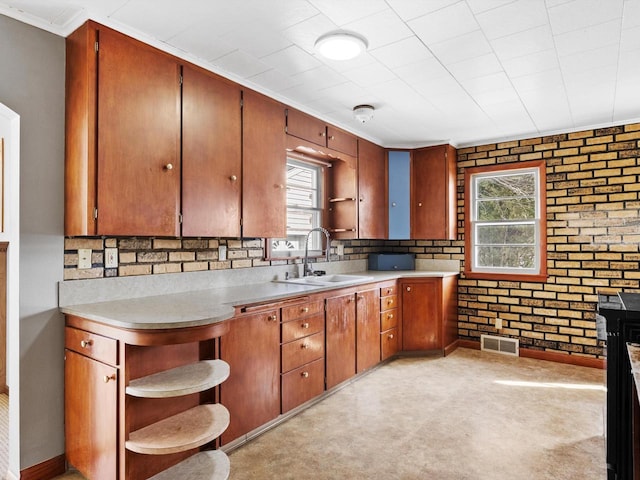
<point>252,391</point>
<point>340,338</point>
<point>429,314</point>
<point>302,384</point>
<point>367,329</point>
<point>389,320</point>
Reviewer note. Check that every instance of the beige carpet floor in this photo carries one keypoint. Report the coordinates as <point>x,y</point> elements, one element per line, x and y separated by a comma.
<point>469,416</point>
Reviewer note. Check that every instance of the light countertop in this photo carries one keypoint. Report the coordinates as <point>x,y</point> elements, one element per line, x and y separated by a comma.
<point>207,306</point>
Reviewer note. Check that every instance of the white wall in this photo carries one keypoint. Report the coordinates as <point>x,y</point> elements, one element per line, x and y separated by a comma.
<point>32,85</point>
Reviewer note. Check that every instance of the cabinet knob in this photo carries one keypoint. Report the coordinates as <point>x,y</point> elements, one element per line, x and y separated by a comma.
<point>361,199</point>
<point>419,204</point>
<point>272,318</point>
<point>394,204</point>
<point>305,325</point>
<point>86,343</point>
<point>233,178</point>
<point>280,186</point>
<point>304,374</point>
<point>390,301</point>
<point>332,137</point>
<point>389,316</point>
<point>304,346</point>
<point>168,166</point>
<point>408,289</point>
<point>322,134</point>
<point>107,378</point>
<point>305,310</point>
<point>390,336</point>
<point>351,299</point>
<point>360,298</point>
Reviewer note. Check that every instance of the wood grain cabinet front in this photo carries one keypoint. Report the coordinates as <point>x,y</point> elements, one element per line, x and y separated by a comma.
<point>388,320</point>
<point>302,350</point>
<point>367,329</point>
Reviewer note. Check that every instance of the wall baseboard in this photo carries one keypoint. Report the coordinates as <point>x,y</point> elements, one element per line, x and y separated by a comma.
<point>549,356</point>
<point>46,470</point>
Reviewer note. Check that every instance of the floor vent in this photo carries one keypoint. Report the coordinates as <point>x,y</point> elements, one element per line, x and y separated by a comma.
<point>507,346</point>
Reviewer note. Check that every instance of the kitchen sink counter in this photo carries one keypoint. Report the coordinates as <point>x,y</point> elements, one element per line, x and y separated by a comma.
<point>210,305</point>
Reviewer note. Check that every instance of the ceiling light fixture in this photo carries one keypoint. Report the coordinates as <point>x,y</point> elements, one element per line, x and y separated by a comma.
<point>340,45</point>
<point>363,113</point>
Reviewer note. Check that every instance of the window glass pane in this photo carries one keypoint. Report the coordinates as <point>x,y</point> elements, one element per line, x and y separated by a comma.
<point>301,197</point>
<point>507,209</point>
<point>519,257</point>
<point>510,234</point>
<point>504,186</point>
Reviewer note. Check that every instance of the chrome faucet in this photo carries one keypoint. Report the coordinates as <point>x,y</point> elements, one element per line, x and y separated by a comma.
<point>306,267</point>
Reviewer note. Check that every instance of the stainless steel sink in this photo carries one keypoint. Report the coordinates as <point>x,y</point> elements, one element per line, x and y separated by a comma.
<point>326,280</point>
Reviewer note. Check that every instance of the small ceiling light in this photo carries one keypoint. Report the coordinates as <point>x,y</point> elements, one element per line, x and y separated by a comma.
<point>363,113</point>
<point>340,45</point>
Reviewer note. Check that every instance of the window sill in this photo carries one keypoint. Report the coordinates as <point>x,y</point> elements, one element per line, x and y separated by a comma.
<point>541,277</point>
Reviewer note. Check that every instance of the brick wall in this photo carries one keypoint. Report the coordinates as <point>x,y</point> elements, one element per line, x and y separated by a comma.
<point>593,237</point>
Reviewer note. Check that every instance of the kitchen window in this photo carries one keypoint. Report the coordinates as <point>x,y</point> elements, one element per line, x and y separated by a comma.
<point>505,221</point>
<point>304,210</point>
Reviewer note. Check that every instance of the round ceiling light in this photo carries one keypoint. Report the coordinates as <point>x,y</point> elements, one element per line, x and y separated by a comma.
<point>340,45</point>
<point>363,113</point>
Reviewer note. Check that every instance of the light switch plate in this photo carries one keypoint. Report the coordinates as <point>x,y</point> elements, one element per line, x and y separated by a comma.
<point>110,257</point>
<point>222,252</point>
<point>340,250</point>
<point>84,258</point>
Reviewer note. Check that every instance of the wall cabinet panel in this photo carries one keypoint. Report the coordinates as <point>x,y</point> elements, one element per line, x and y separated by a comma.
<point>372,191</point>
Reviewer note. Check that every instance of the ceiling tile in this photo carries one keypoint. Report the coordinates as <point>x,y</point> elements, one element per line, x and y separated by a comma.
<point>241,64</point>
<point>305,33</point>
<point>319,78</point>
<point>342,13</point>
<point>487,83</point>
<point>631,14</point>
<point>589,38</point>
<point>522,15</point>
<point>424,71</point>
<point>444,24</point>
<point>549,79</point>
<point>404,52</point>
<point>523,43</point>
<point>256,40</point>
<point>577,63</point>
<point>371,74</point>
<point>380,29</point>
<point>409,9</point>
<point>196,41</point>
<point>630,39</point>
<point>461,48</point>
<point>273,80</point>
<point>476,67</point>
<point>532,63</point>
<point>579,14</point>
<point>479,6</point>
<point>291,60</point>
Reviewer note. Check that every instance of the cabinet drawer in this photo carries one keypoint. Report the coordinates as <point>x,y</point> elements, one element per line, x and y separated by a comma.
<point>390,290</point>
<point>302,351</point>
<point>100,348</point>
<point>302,384</point>
<point>389,343</point>
<point>388,302</point>
<point>342,141</point>
<point>302,310</point>
<point>302,328</point>
<point>388,319</point>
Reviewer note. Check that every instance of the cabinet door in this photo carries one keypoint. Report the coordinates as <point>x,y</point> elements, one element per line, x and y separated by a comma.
<point>399,167</point>
<point>433,193</point>
<point>91,406</point>
<point>368,329</point>
<point>342,141</point>
<point>421,314</point>
<point>264,208</point>
<point>306,127</point>
<point>211,155</point>
<point>138,138</point>
<point>252,391</point>
<point>372,191</point>
<point>340,350</point>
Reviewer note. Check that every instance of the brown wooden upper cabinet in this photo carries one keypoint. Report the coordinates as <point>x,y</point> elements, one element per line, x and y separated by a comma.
<point>211,154</point>
<point>318,132</point>
<point>372,191</point>
<point>264,205</point>
<point>433,193</point>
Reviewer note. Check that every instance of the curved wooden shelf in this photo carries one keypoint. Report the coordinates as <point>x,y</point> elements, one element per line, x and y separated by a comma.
<point>208,465</point>
<point>192,378</point>
<point>190,429</point>
<point>342,199</point>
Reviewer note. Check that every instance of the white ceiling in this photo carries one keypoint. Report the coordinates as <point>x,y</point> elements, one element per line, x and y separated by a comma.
<point>459,71</point>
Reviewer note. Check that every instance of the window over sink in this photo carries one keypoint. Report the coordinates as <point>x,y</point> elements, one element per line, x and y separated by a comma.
<point>305,182</point>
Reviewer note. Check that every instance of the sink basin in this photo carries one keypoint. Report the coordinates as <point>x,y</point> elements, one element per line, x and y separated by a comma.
<point>326,280</point>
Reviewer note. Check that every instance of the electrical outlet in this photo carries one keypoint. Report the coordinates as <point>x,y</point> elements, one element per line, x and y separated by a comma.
<point>110,257</point>
<point>498,323</point>
<point>84,258</point>
<point>222,252</point>
<point>340,249</point>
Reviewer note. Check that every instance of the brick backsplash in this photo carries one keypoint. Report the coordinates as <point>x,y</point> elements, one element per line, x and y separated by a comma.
<point>593,242</point>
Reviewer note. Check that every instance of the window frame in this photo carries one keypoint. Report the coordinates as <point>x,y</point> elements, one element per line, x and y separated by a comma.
<point>541,219</point>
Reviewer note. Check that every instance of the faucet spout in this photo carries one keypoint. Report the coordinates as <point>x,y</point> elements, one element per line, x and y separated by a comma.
<point>306,266</point>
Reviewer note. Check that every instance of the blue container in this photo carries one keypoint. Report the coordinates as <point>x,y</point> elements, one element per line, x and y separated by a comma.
<point>392,261</point>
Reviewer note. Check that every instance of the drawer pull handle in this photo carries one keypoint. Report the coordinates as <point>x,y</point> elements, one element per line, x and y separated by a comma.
<point>390,336</point>
<point>305,325</point>
<point>305,309</point>
<point>390,316</point>
<point>86,343</point>
<point>272,318</point>
<point>390,301</point>
<point>106,378</point>
<point>408,289</point>
<point>304,346</point>
<point>304,374</point>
